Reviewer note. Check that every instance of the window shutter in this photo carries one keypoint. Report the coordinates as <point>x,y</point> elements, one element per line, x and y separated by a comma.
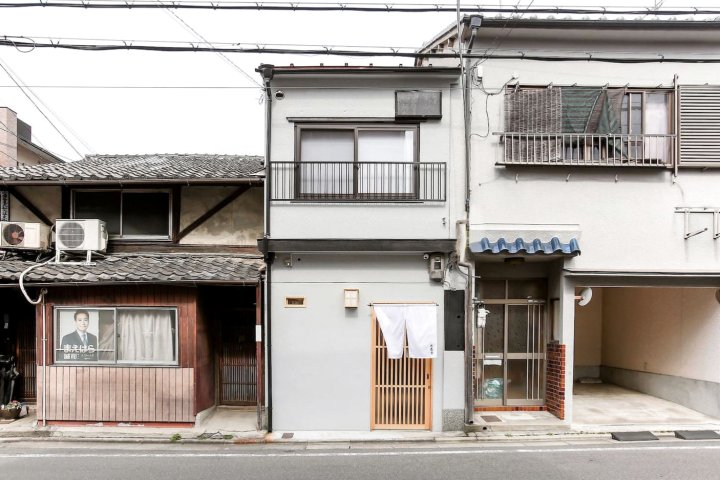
<point>699,125</point>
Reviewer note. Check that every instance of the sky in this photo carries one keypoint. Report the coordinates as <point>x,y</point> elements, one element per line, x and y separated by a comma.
<point>189,102</point>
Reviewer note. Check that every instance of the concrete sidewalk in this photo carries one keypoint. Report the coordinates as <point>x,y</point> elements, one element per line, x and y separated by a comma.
<point>27,429</point>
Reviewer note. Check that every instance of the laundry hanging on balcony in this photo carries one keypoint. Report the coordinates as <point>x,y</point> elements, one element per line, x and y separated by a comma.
<point>420,323</point>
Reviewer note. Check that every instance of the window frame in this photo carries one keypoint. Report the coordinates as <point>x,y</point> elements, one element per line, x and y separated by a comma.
<point>168,191</point>
<point>115,362</point>
<point>356,127</point>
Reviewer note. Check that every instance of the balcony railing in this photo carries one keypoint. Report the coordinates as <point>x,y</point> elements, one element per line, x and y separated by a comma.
<point>358,181</point>
<point>604,150</point>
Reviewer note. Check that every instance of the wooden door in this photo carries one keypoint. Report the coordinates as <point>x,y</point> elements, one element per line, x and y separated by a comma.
<point>401,394</point>
<point>237,363</point>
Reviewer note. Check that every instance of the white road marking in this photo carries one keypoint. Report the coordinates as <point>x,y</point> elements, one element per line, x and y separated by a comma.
<point>618,449</point>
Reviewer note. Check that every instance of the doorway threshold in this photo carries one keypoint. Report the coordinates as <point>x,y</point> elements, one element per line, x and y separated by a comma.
<point>509,421</point>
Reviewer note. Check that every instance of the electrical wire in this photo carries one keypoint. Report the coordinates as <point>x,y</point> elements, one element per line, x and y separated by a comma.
<point>197,34</point>
<point>356,53</point>
<point>23,90</point>
<point>357,7</point>
<point>53,113</point>
<point>524,52</point>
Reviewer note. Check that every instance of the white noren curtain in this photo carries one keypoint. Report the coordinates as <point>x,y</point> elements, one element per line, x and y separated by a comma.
<point>419,320</point>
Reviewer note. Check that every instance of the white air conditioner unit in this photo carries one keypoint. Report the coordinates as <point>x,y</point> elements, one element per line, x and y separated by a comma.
<point>24,235</point>
<point>80,236</point>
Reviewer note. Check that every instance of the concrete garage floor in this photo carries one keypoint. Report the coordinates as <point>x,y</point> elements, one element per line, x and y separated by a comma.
<point>601,408</point>
<point>596,407</point>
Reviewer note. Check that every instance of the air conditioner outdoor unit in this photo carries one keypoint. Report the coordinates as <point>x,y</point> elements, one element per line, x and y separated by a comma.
<point>24,235</point>
<point>80,236</point>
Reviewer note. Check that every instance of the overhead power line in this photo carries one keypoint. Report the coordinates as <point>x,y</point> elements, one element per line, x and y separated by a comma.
<point>357,7</point>
<point>24,91</point>
<point>198,35</point>
<point>197,48</point>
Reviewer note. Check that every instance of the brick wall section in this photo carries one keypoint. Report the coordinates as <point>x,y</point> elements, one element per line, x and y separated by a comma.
<point>555,390</point>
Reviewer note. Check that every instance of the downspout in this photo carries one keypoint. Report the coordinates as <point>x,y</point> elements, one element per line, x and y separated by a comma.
<point>462,233</point>
<point>267,73</point>
<point>43,393</point>
<point>41,301</point>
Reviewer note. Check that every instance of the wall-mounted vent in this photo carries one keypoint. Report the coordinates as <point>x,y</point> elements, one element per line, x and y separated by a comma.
<point>418,104</point>
<point>294,302</point>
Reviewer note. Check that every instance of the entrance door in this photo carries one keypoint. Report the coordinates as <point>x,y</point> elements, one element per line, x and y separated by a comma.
<point>510,360</point>
<point>401,388</point>
<point>237,363</point>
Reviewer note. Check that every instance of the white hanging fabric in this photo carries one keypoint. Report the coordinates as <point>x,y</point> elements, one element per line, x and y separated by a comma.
<point>421,323</point>
<point>392,324</point>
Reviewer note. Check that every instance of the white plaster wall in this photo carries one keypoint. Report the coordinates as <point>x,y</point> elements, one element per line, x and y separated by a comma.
<point>47,199</point>
<point>239,223</point>
<point>626,214</point>
<point>588,331</point>
<point>28,157</point>
<point>671,331</point>
<point>321,354</point>
<point>440,141</point>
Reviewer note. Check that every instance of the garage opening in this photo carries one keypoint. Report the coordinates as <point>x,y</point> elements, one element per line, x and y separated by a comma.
<point>647,355</point>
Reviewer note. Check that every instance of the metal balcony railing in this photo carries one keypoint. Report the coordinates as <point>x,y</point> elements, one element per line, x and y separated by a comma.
<point>358,181</point>
<point>605,150</point>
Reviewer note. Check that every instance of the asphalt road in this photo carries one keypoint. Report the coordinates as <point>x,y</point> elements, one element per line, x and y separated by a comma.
<point>659,460</point>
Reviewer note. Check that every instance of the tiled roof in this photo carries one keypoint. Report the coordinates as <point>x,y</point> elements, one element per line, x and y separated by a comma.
<point>530,247</point>
<point>128,168</point>
<point>147,268</point>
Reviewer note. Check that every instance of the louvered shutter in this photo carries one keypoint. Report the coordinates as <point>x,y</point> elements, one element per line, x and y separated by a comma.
<point>699,125</point>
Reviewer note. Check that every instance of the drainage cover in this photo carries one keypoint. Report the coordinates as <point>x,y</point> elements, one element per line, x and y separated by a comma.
<point>288,435</point>
<point>633,436</point>
<point>490,418</point>
<point>697,435</point>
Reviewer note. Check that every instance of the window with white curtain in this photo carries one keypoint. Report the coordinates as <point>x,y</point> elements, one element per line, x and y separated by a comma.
<point>116,335</point>
<point>357,162</point>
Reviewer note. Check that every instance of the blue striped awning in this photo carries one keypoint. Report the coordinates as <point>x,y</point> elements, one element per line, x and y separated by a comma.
<point>529,247</point>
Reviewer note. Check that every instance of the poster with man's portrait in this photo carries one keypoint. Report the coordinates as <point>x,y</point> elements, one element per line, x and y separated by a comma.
<point>79,335</point>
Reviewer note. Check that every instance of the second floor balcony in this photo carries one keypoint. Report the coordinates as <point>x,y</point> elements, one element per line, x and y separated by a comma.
<point>608,150</point>
<point>310,181</point>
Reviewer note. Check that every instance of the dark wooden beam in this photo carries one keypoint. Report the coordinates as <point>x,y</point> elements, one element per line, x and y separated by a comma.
<point>356,245</point>
<point>30,206</point>
<point>206,216</point>
<point>130,246</point>
<point>176,209</point>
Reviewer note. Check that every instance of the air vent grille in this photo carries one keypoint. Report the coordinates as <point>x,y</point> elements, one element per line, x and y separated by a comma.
<point>71,234</point>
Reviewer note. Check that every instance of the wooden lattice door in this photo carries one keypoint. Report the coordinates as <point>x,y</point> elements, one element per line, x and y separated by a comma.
<point>401,388</point>
<point>237,363</point>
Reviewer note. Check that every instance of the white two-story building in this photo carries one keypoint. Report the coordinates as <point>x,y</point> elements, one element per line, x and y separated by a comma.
<point>361,211</point>
<point>594,155</point>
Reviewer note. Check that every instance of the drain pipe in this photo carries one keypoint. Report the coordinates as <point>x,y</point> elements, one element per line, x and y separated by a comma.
<point>267,73</point>
<point>40,300</point>
<point>43,292</point>
<point>461,249</point>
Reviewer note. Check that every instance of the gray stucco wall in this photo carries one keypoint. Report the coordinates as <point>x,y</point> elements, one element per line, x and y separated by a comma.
<point>321,354</point>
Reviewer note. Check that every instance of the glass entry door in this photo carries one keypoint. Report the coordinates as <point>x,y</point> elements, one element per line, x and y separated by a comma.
<point>510,353</point>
